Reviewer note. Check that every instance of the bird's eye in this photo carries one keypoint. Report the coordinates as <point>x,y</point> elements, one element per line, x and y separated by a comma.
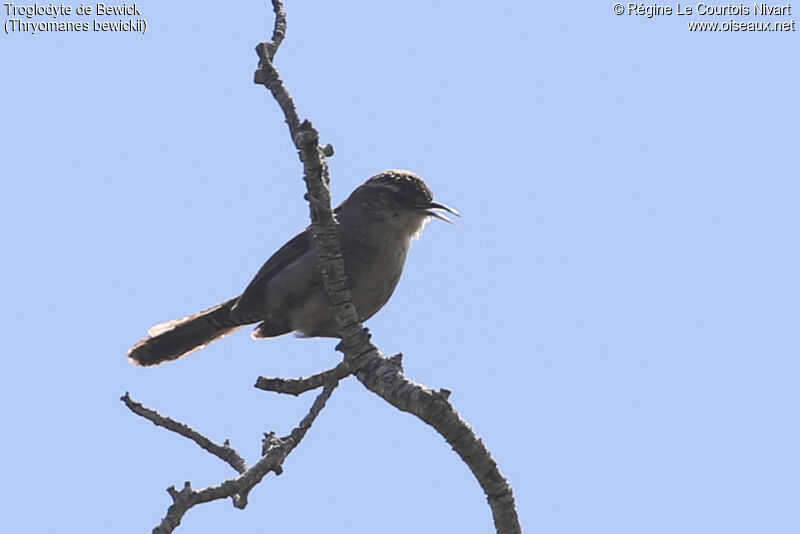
<point>399,198</point>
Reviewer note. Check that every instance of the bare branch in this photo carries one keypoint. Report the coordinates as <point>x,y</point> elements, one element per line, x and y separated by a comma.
<point>319,403</point>
<point>267,75</point>
<point>278,30</point>
<point>355,338</point>
<point>275,450</point>
<point>383,376</point>
<point>296,386</point>
<point>378,373</point>
<point>224,452</point>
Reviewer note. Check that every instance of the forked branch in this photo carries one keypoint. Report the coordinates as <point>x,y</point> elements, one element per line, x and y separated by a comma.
<point>381,375</point>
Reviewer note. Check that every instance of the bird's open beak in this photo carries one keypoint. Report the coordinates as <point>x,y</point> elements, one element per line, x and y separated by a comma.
<point>436,206</point>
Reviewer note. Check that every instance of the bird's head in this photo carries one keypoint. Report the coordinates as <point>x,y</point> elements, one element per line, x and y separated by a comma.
<point>399,199</point>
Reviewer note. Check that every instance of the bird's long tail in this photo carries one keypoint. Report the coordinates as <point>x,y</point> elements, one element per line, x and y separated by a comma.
<point>173,339</point>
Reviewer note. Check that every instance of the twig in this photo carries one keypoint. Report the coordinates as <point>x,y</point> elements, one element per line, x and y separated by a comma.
<point>267,75</point>
<point>296,386</point>
<point>278,30</point>
<point>319,403</point>
<point>224,452</point>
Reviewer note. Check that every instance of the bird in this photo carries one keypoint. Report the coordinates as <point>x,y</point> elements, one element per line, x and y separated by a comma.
<point>377,224</point>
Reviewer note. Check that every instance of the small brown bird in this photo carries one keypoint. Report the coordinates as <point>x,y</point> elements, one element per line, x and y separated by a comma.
<point>377,223</point>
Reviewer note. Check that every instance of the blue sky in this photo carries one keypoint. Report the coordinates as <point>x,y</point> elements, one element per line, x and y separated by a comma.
<point>616,314</point>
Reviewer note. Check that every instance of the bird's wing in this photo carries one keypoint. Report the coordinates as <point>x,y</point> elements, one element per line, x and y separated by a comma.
<point>252,299</point>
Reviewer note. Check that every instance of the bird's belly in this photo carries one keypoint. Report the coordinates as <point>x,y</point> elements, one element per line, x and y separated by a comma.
<point>372,284</point>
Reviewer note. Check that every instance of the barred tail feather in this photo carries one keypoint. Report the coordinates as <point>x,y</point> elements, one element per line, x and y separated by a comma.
<point>173,339</point>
